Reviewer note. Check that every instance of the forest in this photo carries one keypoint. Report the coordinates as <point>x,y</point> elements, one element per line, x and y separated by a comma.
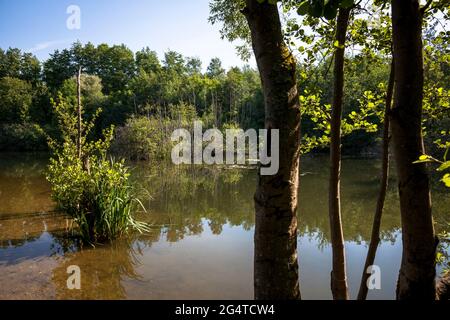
<point>342,81</point>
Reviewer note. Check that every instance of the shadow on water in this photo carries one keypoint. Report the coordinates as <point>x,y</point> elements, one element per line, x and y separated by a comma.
<point>201,244</point>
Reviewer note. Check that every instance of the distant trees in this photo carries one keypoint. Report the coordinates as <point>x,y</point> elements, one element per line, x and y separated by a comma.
<point>147,61</point>
<point>215,69</point>
<point>15,100</point>
<point>115,65</point>
<point>21,100</point>
<point>21,65</point>
<point>127,84</point>
<point>20,74</point>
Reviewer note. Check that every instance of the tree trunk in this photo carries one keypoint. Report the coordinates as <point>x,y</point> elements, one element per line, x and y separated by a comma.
<point>79,113</point>
<point>375,238</point>
<point>275,260</point>
<point>417,272</point>
<point>338,274</point>
<point>443,287</point>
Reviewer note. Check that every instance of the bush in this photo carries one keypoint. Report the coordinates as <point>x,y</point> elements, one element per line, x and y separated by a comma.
<point>100,199</point>
<point>148,137</point>
<point>21,137</point>
<point>94,191</point>
<point>141,139</point>
<point>15,100</point>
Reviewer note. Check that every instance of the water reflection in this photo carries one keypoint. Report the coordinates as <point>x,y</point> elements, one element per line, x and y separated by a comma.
<point>201,244</point>
<point>103,271</point>
<point>22,184</point>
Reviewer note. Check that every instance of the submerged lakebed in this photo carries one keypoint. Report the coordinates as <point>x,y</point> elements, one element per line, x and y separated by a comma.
<point>201,243</point>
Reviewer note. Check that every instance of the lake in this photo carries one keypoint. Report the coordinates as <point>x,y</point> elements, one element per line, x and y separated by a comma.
<point>201,243</point>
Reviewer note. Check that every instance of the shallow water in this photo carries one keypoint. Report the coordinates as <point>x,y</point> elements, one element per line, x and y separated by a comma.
<point>201,244</point>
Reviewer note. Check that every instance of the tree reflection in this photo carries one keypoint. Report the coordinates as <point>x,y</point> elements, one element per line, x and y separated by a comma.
<point>103,270</point>
<point>186,201</point>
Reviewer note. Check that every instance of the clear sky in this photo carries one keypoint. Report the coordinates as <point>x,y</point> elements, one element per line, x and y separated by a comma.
<point>39,26</point>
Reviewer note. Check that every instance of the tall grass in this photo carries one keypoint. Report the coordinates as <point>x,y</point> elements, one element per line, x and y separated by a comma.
<point>100,200</point>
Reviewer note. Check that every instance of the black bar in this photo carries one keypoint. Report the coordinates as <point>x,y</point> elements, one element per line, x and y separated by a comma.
<point>223,309</point>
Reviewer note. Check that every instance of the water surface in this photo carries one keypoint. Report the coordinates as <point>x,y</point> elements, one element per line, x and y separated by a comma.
<point>201,243</point>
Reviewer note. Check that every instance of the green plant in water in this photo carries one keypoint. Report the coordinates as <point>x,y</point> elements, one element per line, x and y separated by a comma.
<point>94,190</point>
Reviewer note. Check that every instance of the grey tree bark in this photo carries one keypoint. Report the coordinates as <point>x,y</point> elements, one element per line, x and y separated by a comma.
<point>275,259</point>
<point>339,286</point>
<point>417,273</point>
<point>384,179</point>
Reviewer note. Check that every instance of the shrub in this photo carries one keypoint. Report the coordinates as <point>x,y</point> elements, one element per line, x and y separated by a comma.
<point>100,199</point>
<point>21,137</point>
<point>148,137</point>
<point>141,138</point>
<point>93,190</point>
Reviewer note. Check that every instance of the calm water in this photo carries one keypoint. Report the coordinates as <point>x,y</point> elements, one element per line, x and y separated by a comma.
<point>201,244</point>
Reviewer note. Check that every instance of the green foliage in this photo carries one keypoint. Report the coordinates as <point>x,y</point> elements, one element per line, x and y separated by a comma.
<point>22,96</point>
<point>319,114</point>
<point>436,102</point>
<point>17,64</point>
<point>93,190</point>
<point>443,166</point>
<point>142,86</point>
<point>115,65</point>
<point>126,86</point>
<point>215,69</point>
<point>92,97</point>
<point>234,27</point>
<point>21,137</point>
<point>147,61</point>
<point>148,138</point>
<point>142,138</point>
<point>319,8</point>
<point>100,200</point>
<point>15,100</point>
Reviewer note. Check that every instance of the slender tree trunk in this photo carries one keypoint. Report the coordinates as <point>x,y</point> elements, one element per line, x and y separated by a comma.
<point>275,260</point>
<point>417,272</point>
<point>375,238</point>
<point>79,113</point>
<point>338,275</point>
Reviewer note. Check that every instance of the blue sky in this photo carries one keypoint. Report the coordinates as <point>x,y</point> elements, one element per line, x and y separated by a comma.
<point>39,26</point>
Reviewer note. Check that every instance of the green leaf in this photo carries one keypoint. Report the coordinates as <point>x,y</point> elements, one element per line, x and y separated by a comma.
<point>444,166</point>
<point>423,159</point>
<point>337,45</point>
<point>446,180</point>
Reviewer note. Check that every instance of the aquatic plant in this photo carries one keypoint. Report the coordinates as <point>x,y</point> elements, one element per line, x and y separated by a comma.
<point>94,190</point>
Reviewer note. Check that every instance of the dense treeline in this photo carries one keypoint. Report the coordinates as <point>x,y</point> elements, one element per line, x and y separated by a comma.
<point>140,93</point>
<point>125,85</point>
